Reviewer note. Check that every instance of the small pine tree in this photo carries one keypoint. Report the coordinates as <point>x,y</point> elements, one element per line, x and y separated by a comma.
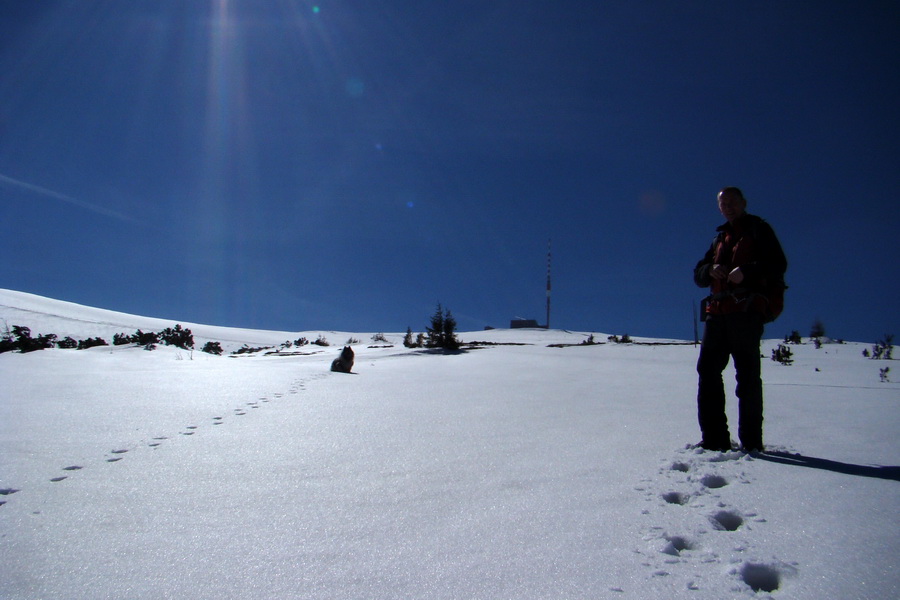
<point>449,332</point>
<point>408,338</point>
<point>436,330</point>
<point>793,338</point>
<point>884,348</point>
<point>817,330</point>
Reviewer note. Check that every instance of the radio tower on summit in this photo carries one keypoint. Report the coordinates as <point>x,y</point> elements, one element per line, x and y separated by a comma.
<point>547,326</point>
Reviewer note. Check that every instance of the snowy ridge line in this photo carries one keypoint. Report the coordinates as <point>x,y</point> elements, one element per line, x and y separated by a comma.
<point>49,316</point>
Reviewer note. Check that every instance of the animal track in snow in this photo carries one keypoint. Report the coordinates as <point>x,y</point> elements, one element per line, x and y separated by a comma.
<point>296,387</point>
<point>6,492</point>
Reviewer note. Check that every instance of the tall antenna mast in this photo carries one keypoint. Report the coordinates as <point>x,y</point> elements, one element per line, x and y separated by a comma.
<point>548,283</point>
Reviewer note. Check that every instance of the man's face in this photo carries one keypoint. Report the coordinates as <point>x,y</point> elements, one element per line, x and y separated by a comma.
<point>731,205</point>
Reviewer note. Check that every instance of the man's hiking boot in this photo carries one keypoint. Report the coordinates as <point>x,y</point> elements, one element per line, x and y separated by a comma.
<point>714,447</point>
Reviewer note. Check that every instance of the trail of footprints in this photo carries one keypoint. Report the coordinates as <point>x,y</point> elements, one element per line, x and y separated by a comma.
<point>702,529</point>
<point>117,455</point>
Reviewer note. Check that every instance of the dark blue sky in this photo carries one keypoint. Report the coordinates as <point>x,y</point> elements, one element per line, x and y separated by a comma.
<point>295,165</point>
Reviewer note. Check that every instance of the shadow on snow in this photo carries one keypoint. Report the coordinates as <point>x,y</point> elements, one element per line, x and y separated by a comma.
<point>879,472</point>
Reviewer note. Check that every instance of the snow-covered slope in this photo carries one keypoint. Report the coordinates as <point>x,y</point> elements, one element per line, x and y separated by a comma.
<point>45,315</point>
<point>515,470</point>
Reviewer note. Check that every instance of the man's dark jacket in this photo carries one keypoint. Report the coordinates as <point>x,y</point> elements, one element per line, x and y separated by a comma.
<point>751,244</point>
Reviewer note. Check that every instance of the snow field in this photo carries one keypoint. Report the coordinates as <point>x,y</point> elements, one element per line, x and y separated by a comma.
<point>502,472</point>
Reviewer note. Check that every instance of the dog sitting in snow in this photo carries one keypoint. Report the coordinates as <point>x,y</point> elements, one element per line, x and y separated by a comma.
<point>344,362</point>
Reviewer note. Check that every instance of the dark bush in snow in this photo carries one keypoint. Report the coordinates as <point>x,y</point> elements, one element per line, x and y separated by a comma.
<point>182,338</point>
<point>67,343</point>
<point>92,343</point>
<point>144,339</point>
<point>213,348</point>
<point>25,343</point>
<point>782,354</point>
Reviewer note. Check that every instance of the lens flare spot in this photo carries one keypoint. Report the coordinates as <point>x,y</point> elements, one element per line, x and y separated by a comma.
<point>652,204</point>
<point>355,87</point>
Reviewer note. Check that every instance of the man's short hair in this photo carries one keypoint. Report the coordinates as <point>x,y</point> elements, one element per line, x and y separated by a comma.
<point>733,190</point>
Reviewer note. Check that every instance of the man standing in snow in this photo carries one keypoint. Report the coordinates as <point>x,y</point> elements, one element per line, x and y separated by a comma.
<point>744,260</point>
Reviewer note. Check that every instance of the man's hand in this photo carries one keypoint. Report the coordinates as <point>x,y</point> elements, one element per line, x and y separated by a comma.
<point>718,272</point>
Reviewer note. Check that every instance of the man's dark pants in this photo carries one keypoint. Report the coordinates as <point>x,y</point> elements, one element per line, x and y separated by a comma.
<point>734,335</point>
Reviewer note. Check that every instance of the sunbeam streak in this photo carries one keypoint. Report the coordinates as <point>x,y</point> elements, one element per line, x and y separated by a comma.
<point>36,189</point>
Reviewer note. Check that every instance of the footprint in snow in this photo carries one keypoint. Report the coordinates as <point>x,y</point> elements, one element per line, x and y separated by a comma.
<point>763,577</point>
<point>118,456</point>
<point>679,498</point>
<point>682,475</point>
<point>727,520</point>
<point>676,544</point>
<point>714,482</point>
<point>681,467</point>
